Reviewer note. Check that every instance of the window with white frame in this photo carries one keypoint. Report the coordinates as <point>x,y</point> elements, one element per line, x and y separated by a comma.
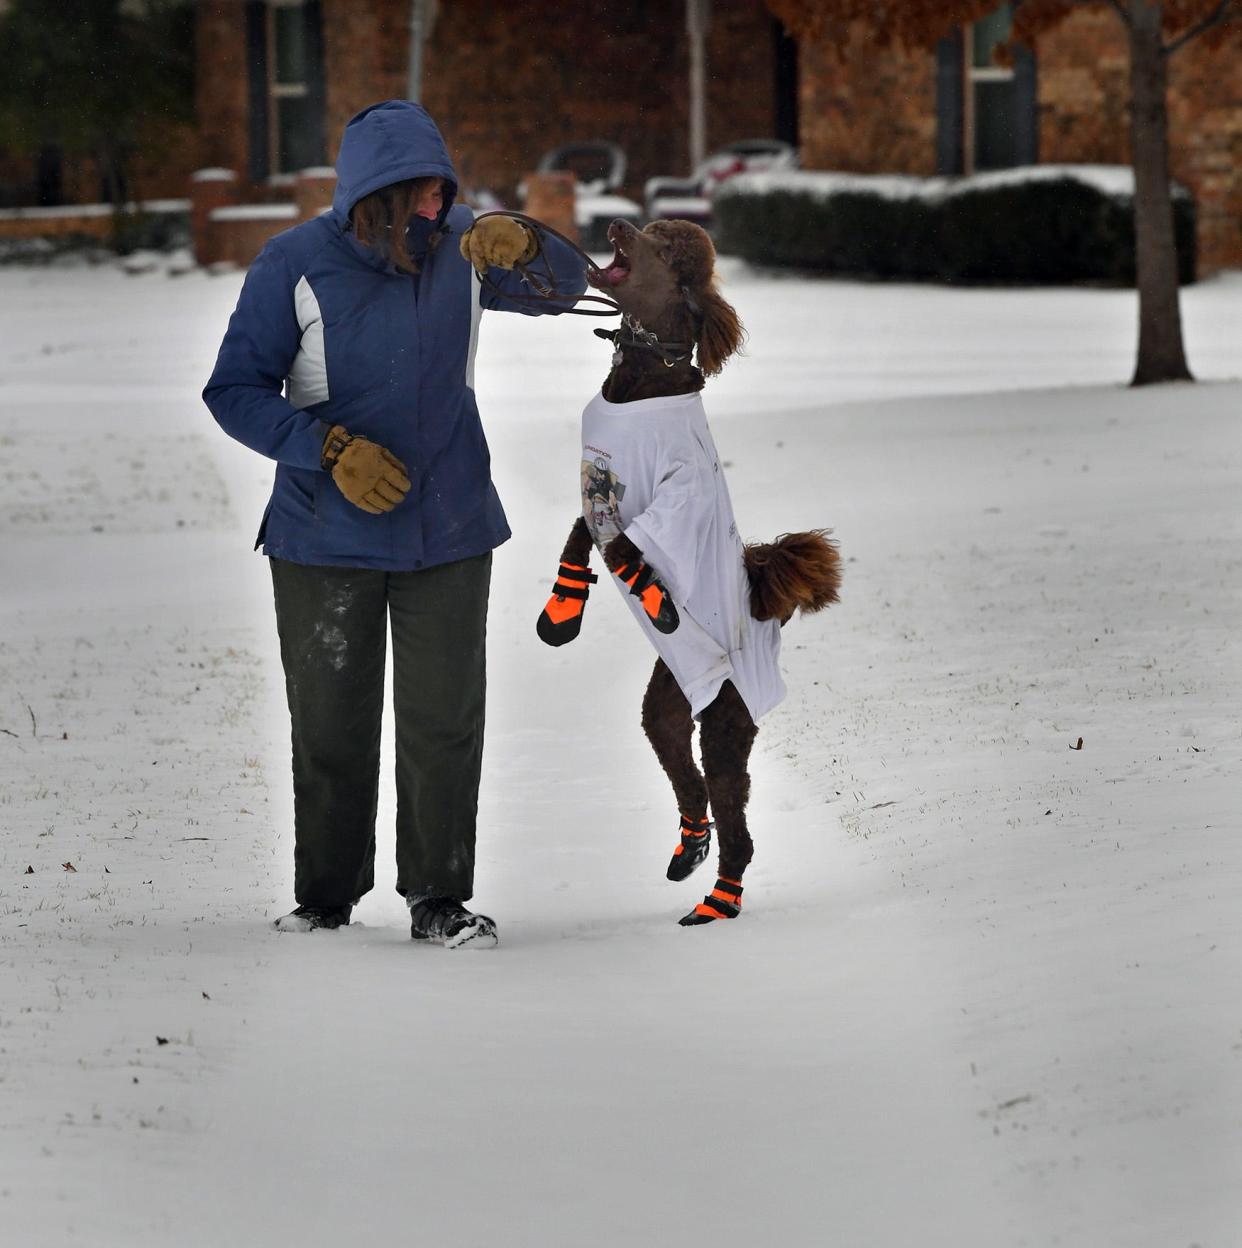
<point>294,123</point>
<point>990,103</point>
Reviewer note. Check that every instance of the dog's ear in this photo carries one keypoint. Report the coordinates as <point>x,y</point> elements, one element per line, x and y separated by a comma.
<point>688,251</point>
<point>720,332</point>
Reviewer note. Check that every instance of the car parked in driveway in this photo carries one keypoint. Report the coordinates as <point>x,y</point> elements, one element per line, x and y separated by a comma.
<point>690,199</point>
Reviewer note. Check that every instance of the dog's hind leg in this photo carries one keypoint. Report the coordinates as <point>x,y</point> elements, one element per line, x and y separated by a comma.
<point>727,732</point>
<point>669,727</point>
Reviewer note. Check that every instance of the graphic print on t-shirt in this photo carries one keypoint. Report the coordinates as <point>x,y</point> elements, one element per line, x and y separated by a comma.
<point>601,498</point>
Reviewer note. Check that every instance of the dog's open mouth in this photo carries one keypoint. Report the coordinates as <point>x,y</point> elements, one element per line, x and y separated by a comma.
<point>617,269</point>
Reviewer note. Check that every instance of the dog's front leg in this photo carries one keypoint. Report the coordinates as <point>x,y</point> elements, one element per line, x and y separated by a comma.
<point>561,618</point>
<point>621,551</point>
<point>625,562</point>
<point>578,545</point>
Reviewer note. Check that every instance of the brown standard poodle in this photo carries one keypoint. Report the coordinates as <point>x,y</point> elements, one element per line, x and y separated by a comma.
<point>663,279</point>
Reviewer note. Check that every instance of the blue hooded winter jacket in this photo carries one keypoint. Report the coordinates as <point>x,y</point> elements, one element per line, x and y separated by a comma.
<point>327,332</point>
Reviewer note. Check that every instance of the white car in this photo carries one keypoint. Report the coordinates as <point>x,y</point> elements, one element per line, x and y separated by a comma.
<point>690,199</point>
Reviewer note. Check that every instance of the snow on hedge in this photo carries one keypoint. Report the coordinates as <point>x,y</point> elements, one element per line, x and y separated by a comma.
<point>1116,181</point>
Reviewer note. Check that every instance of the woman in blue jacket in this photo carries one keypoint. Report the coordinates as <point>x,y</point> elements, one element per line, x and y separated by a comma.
<point>349,360</point>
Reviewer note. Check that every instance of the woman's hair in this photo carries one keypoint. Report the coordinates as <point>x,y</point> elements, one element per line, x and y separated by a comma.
<point>380,219</point>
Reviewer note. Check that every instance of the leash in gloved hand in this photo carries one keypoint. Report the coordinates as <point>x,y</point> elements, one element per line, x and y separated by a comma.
<point>545,288</point>
<point>628,334</point>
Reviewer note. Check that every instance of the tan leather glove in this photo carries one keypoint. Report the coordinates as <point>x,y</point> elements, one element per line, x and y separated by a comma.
<point>499,241</point>
<point>368,475</point>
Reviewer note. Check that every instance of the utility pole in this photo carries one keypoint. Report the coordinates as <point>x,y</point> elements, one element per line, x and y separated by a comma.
<point>422,19</point>
<point>698,17</point>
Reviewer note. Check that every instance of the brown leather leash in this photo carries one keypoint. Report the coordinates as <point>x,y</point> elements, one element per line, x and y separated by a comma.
<point>545,287</point>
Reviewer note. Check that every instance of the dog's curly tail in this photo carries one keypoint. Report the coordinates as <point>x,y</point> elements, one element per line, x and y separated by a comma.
<point>796,571</point>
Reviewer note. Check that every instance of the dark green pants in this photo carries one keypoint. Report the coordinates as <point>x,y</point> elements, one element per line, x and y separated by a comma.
<point>333,626</point>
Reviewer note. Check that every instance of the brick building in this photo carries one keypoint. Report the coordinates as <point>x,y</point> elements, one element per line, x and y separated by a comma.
<point>276,81</point>
<point>887,110</point>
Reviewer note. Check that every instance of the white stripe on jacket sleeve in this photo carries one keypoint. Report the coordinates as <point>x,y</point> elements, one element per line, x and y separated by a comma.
<point>476,315</point>
<point>308,374</point>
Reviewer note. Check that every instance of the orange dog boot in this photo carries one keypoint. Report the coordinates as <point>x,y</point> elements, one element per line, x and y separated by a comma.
<point>561,620</point>
<point>648,589</point>
<point>723,902</point>
<point>696,842</point>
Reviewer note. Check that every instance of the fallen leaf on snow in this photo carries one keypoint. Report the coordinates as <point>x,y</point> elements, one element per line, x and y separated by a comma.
<point>68,866</point>
<point>1014,1102</point>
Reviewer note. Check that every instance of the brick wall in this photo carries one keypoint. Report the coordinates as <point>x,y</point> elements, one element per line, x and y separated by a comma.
<point>508,83</point>
<point>741,77</point>
<point>356,73</point>
<point>873,112</point>
<point>221,84</point>
<point>1083,81</point>
<point>1205,138</point>
<point>877,113</point>
<point>1084,116</point>
<point>16,224</point>
<point>366,46</point>
<point>227,229</point>
<point>238,234</point>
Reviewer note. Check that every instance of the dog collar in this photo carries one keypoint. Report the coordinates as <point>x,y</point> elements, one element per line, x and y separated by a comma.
<point>631,334</point>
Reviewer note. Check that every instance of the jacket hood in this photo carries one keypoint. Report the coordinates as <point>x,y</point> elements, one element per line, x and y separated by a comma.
<point>389,143</point>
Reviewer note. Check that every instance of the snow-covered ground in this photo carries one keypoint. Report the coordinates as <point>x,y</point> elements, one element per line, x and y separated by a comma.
<point>985,991</point>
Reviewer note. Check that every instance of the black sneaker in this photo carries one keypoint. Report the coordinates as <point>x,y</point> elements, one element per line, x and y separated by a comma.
<point>449,923</point>
<point>310,918</point>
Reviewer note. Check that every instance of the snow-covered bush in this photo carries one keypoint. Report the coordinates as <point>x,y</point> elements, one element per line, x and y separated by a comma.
<point>1044,224</point>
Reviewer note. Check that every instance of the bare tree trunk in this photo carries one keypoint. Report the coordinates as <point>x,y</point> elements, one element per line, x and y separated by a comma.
<point>1161,355</point>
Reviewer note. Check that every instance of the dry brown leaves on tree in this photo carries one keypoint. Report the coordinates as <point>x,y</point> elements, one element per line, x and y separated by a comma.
<point>920,23</point>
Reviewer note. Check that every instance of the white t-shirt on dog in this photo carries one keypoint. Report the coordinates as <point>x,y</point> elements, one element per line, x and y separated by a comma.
<point>650,470</point>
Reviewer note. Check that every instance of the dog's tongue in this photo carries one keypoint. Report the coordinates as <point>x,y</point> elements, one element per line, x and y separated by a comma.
<point>614,274</point>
